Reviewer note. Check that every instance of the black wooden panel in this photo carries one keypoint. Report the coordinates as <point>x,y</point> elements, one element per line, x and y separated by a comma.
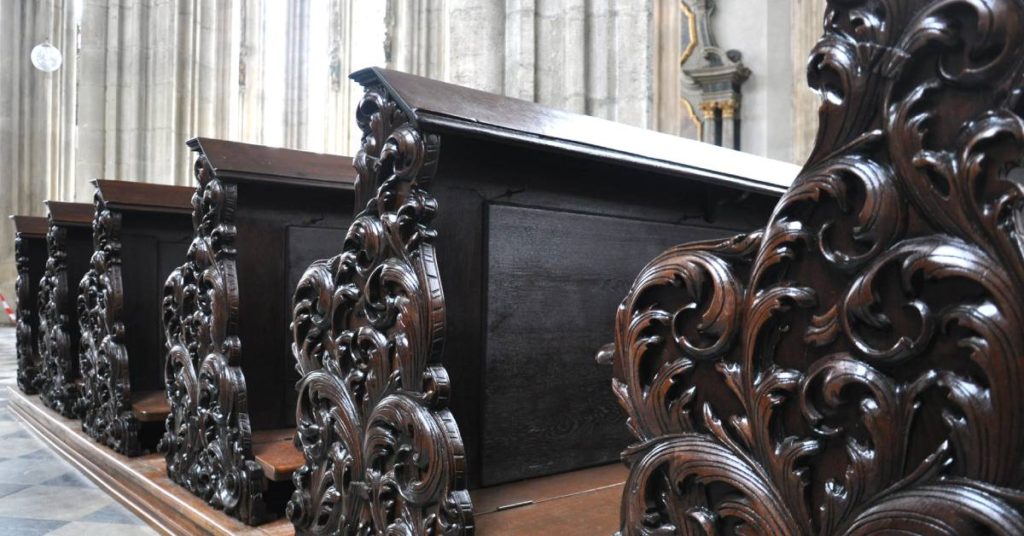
<point>79,256</point>
<point>35,248</point>
<point>140,255</point>
<point>554,280</point>
<point>304,246</point>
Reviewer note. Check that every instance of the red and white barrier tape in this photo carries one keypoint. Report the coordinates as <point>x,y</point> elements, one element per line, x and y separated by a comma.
<point>7,309</point>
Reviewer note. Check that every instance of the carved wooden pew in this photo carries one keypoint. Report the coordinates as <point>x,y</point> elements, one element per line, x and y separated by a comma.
<point>69,248</point>
<point>140,234</point>
<point>856,366</point>
<point>260,217</point>
<point>30,260</point>
<point>495,233</point>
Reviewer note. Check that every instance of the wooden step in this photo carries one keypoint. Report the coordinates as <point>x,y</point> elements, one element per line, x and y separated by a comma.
<point>276,453</point>
<point>140,484</point>
<point>150,406</point>
<point>578,503</point>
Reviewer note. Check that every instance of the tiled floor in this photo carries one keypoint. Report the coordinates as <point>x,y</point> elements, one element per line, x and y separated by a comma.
<point>39,492</point>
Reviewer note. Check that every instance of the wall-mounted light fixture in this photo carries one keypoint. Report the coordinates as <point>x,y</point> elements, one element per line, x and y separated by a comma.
<point>46,57</point>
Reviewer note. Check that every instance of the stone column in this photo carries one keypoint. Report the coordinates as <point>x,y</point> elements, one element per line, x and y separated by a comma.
<point>729,124</point>
<point>589,56</point>
<point>806,17</point>
<point>32,142</point>
<point>710,129</point>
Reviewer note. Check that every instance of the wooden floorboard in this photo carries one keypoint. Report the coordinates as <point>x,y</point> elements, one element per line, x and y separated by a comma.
<point>140,483</point>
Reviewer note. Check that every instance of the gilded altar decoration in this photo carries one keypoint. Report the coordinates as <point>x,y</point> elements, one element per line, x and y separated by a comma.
<point>855,367</point>
<point>208,439</point>
<point>383,454</point>
<point>105,396</point>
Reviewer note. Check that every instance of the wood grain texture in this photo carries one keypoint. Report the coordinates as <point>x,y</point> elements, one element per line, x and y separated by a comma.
<point>239,162</point>
<point>30,226</point>
<point>131,195</point>
<point>539,349</point>
<point>855,366</point>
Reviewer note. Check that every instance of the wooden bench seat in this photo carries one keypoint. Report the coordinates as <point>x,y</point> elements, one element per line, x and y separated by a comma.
<point>150,406</point>
<point>276,453</point>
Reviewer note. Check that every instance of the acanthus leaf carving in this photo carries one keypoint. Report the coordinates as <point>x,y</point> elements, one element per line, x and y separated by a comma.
<point>207,441</point>
<point>860,362</point>
<point>105,396</point>
<point>58,389</point>
<point>383,454</point>
<point>30,377</point>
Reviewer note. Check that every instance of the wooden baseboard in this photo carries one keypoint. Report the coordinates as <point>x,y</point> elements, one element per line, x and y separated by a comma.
<point>581,503</point>
<point>140,483</point>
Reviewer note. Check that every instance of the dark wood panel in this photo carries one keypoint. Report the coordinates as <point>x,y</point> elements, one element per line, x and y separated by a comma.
<point>241,162</point>
<point>132,195</point>
<point>267,247</point>
<point>552,277</point>
<point>442,107</point>
<point>140,255</point>
<point>33,226</point>
<point>65,213</point>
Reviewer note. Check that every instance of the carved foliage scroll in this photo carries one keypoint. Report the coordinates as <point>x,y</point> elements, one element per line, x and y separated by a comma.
<point>857,366</point>
<point>105,397</point>
<point>29,377</point>
<point>383,454</point>
<point>58,390</point>
<point>208,440</point>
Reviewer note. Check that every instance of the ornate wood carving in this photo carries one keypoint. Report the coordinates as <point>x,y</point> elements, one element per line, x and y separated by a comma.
<point>105,396</point>
<point>856,367</point>
<point>208,440</point>
<point>58,390</point>
<point>29,378</point>
<point>383,454</point>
